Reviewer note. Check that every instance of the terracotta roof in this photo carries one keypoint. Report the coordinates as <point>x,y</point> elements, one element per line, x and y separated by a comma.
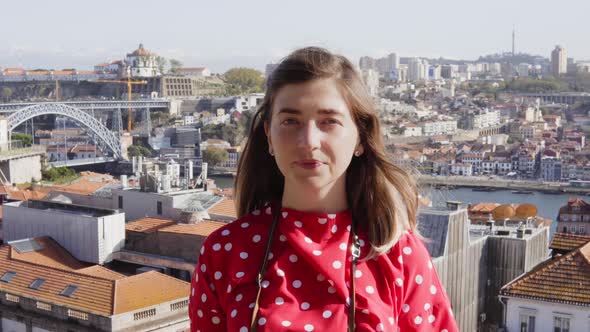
<point>102,272</point>
<point>81,186</point>
<point>51,255</point>
<point>225,208</point>
<point>563,280</point>
<point>203,228</point>
<point>575,206</point>
<point>483,207</point>
<point>141,51</point>
<point>196,69</point>
<point>569,242</point>
<point>148,224</point>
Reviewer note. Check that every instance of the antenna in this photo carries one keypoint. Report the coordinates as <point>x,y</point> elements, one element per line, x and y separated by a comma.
<point>513,40</point>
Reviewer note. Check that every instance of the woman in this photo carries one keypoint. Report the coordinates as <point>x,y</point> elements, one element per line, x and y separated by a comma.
<point>326,236</point>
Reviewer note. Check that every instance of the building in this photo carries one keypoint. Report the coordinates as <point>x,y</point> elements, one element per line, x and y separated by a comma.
<point>141,64</point>
<point>574,218</point>
<point>555,296</point>
<point>483,119</point>
<point>558,61</point>
<point>44,288</point>
<point>371,79</point>
<point>470,268</point>
<point>90,234</point>
<point>185,86</point>
<point>433,128</point>
<point>197,71</point>
<point>551,169</point>
<point>417,70</point>
<point>412,130</point>
<point>462,169</point>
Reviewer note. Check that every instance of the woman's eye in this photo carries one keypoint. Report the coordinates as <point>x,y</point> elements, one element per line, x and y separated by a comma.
<point>289,121</point>
<point>331,121</point>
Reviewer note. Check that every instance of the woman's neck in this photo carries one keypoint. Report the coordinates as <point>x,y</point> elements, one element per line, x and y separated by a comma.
<point>328,199</point>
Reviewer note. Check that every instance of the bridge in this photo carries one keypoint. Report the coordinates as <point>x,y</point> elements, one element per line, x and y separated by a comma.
<point>82,161</point>
<point>94,105</point>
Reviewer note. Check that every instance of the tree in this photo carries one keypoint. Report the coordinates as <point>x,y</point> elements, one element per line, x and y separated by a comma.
<point>58,173</point>
<point>174,65</point>
<point>215,156</point>
<point>138,150</point>
<point>6,93</point>
<point>26,139</point>
<point>161,62</point>
<point>243,80</point>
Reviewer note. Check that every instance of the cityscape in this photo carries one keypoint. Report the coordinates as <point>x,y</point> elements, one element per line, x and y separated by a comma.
<point>114,175</point>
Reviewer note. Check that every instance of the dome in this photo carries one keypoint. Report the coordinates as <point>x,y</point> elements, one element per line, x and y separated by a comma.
<point>141,51</point>
<point>503,211</point>
<point>526,210</point>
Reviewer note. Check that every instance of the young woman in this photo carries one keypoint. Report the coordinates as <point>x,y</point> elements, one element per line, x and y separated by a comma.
<point>326,236</point>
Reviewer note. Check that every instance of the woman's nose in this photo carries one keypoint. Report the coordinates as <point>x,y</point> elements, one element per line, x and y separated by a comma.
<point>309,136</point>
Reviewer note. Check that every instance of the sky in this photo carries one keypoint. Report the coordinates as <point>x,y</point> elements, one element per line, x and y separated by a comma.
<point>224,34</point>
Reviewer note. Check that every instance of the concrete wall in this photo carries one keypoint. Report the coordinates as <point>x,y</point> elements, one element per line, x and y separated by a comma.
<point>88,200</point>
<point>544,313</point>
<point>90,239</point>
<point>137,204</point>
<point>22,169</point>
<point>166,318</point>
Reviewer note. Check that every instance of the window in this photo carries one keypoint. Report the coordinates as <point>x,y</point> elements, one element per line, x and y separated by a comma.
<point>159,207</point>
<point>37,283</point>
<point>8,276</point>
<point>527,323</point>
<point>120,202</point>
<point>69,290</point>
<point>561,324</point>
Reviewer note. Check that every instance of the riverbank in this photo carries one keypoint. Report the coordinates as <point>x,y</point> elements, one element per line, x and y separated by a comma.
<point>500,183</point>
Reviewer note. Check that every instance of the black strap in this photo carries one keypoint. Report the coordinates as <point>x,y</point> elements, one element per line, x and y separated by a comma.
<point>355,250</point>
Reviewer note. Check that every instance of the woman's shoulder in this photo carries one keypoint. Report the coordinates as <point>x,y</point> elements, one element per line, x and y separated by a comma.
<point>410,252</point>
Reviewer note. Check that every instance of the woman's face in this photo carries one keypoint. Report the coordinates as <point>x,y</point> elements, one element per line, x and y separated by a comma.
<point>312,134</point>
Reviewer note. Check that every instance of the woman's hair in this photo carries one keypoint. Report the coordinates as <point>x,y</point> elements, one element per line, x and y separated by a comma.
<point>382,197</point>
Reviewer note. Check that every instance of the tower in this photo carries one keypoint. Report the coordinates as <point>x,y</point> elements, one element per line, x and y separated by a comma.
<point>513,41</point>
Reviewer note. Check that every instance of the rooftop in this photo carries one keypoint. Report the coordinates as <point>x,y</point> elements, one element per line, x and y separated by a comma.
<point>568,242</point>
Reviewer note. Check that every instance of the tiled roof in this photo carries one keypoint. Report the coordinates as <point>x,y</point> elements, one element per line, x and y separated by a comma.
<point>203,228</point>
<point>563,280</point>
<point>225,208</point>
<point>569,242</point>
<point>81,186</point>
<point>148,224</point>
<point>101,272</point>
<point>51,255</point>
<point>575,206</point>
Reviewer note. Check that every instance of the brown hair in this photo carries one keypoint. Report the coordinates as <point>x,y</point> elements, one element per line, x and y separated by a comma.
<point>381,196</point>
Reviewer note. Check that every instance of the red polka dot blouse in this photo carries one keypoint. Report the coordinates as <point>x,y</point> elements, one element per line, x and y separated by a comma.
<point>306,286</point>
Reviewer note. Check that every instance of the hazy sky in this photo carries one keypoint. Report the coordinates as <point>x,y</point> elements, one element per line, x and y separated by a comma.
<point>222,34</point>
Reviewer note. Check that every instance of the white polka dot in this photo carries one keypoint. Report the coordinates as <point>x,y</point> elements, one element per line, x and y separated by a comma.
<point>286,323</point>
<point>202,250</point>
<point>321,277</point>
<point>280,273</point>
<point>228,289</point>
<point>268,210</point>
<point>225,232</point>
<point>348,228</point>
<point>431,319</point>
<point>203,268</point>
<point>265,283</point>
<point>391,321</point>
<point>270,256</point>
<point>331,216</point>
<point>256,238</point>
<point>308,240</point>
<point>215,320</point>
<point>445,330</point>
<point>251,305</point>
<point>399,282</point>
<point>418,320</point>
<point>308,327</point>
<point>362,242</point>
<point>240,274</point>
<point>426,306</point>
<point>285,214</point>
<point>405,308</point>
<point>262,321</point>
<point>331,282</point>
<point>370,289</point>
<point>239,297</point>
<point>243,329</point>
<point>298,224</point>
<point>217,275</point>
<point>429,264</point>
<point>200,313</point>
<point>366,311</point>
<point>304,306</point>
<point>282,238</point>
<point>243,255</point>
<point>334,228</point>
<point>342,246</point>
<point>327,314</point>
<point>379,327</point>
<point>245,225</point>
<point>228,247</point>
<point>193,292</point>
<point>317,252</point>
<point>293,258</point>
<point>432,290</point>
<point>336,264</point>
<point>233,313</point>
<point>216,246</point>
<point>322,220</point>
<point>407,250</point>
<point>400,259</point>
<point>419,279</point>
<point>297,283</point>
<point>279,301</point>
<point>212,287</point>
<point>331,290</point>
<point>358,274</point>
<point>256,212</point>
<point>204,297</point>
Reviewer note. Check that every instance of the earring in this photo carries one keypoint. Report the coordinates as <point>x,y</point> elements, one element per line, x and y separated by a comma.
<point>357,153</point>
<point>271,153</point>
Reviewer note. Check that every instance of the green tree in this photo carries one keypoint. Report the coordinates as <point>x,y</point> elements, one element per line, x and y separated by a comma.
<point>138,150</point>
<point>58,173</point>
<point>26,139</point>
<point>243,80</point>
<point>215,156</point>
<point>161,62</point>
<point>6,93</point>
<point>174,65</point>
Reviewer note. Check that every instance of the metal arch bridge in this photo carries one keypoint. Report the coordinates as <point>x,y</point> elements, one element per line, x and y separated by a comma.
<point>93,105</point>
<point>108,137</point>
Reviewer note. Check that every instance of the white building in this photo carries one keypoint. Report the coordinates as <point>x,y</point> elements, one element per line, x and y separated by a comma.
<point>484,119</point>
<point>523,69</point>
<point>417,70</point>
<point>141,63</point>
<point>558,61</point>
<point>412,130</point>
<point>432,128</point>
<point>371,79</point>
<point>550,168</point>
<point>462,169</point>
